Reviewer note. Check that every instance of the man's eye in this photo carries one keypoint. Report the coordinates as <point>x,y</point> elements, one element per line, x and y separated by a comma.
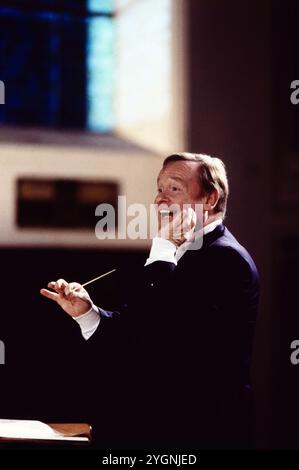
<point>175,188</point>
<point>159,190</point>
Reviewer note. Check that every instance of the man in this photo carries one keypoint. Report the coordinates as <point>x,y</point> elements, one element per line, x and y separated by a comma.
<point>187,356</point>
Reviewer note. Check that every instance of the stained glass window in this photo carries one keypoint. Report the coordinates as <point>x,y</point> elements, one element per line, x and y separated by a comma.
<point>56,61</point>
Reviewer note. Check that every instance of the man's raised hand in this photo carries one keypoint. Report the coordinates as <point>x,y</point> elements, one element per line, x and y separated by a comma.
<point>71,297</point>
<point>178,227</point>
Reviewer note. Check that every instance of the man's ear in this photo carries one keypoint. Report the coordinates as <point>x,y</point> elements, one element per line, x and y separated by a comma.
<point>211,200</point>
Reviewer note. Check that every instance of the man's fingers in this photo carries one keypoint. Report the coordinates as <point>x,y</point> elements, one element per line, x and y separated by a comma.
<point>63,289</point>
<point>73,287</point>
<point>59,286</point>
<point>49,294</point>
<point>193,217</point>
<point>188,219</point>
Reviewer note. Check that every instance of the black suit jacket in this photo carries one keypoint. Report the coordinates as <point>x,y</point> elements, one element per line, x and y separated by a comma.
<point>182,337</point>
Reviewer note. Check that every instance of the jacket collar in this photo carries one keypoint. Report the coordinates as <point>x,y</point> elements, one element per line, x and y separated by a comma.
<point>210,237</point>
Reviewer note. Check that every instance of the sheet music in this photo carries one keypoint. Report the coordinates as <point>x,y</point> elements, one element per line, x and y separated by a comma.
<point>31,429</point>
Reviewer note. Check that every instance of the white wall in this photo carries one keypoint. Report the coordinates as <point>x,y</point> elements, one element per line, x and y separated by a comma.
<point>135,173</point>
<point>151,74</point>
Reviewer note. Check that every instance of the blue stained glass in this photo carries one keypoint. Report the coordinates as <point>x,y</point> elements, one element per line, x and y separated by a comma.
<point>42,59</point>
<point>100,6</point>
<point>100,65</point>
<point>58,65</point>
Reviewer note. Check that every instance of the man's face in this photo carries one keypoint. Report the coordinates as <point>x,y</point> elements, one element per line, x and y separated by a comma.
<point>178,184</point>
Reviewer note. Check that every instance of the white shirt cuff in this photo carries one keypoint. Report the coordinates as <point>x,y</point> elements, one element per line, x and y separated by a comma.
<point>162,250</point>
<point>89,321</point>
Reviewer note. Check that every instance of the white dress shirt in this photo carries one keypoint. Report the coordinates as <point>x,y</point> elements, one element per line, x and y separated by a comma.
<point>161,250</point>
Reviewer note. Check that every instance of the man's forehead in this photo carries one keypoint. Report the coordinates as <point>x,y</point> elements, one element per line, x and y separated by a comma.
<point>172,175</point>
<point>180,170</point>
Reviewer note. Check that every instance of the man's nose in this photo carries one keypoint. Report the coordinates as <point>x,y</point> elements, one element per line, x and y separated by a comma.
<point>162,198</point>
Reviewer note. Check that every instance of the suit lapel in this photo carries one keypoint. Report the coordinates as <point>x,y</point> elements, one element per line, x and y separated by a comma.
<point>191,257</point>
<point>213,236</point>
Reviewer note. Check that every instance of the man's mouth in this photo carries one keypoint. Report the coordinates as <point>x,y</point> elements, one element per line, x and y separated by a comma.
<point>165,212</point>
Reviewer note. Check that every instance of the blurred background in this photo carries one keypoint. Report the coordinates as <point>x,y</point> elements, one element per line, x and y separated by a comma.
<point>97,93</point>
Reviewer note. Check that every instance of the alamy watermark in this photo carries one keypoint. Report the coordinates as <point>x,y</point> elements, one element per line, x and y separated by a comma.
<point>294,357</point>
<point>2,92</point>
<point>294,97</point>
<point>137,221</point>
<point>2,352</point>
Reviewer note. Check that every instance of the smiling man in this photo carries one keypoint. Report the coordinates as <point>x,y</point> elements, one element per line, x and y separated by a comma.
<point>188,356</point>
